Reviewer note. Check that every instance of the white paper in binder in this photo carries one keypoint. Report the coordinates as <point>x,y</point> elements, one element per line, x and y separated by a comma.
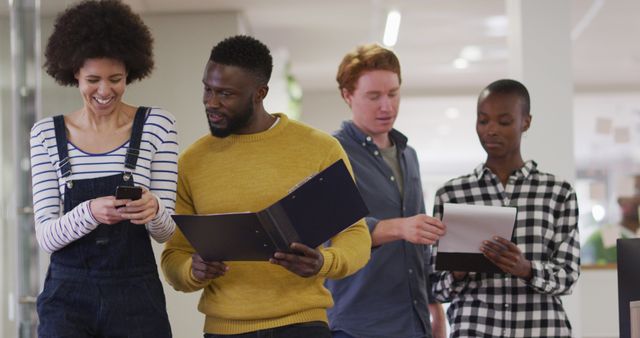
<point>634,312</point>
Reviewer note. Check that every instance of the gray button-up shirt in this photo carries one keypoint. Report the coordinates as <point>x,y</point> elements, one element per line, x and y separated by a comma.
<point>389,296</point>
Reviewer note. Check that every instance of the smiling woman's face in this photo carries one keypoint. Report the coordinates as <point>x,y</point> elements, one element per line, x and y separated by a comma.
<point>102,83</point>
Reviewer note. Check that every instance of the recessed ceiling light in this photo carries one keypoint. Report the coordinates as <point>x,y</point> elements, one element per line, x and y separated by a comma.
<point>471,53</point>
<point>391,29</point>
<point>452,113</point>
<point>496,25</point>
<point>460,63</point>
<point>588,17</point>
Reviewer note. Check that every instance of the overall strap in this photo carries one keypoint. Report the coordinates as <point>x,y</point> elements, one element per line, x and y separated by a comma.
<point>136,136</point>
<point>64,162</point>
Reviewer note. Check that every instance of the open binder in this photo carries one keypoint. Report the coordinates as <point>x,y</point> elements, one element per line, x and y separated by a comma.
<point>313,212</point>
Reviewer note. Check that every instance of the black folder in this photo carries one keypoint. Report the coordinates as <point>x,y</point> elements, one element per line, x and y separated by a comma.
<point>464,261</point>
<point>628,251</point>
<point>315,210</point>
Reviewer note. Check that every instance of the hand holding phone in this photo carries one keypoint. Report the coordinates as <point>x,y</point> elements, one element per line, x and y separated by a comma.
<point>143,206</point>
<point>124,192</point>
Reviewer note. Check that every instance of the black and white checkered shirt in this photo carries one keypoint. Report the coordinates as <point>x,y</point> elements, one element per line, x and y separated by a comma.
<point>502,305</point>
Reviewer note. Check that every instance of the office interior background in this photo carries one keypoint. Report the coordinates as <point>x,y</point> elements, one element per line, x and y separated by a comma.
<point>577,57</point>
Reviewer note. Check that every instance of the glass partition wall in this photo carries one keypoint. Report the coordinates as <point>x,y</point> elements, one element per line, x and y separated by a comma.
<point>19,101</point>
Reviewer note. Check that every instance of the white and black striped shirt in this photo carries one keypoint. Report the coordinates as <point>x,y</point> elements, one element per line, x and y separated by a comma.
<point>156,170</point>
<point>502,305</point>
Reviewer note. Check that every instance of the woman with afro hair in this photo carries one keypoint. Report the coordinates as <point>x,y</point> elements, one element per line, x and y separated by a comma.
<point>102,280</point>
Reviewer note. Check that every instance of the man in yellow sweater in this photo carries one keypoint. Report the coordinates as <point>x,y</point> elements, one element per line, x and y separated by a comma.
<point>250,161</point>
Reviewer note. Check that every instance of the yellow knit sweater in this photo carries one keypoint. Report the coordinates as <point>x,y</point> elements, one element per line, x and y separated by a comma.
<point>249,173</point>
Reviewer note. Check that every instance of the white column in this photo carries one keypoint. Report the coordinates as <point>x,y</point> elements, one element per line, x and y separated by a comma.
<point>540,57</point>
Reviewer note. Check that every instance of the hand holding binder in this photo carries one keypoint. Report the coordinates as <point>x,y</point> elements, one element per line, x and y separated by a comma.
<point>305,262</point>
<point>311,214</point>
<point>203,270</point>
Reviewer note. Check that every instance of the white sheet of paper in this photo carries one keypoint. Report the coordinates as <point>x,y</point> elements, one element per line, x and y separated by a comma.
<point>468,225</point>
<point>634,314</point>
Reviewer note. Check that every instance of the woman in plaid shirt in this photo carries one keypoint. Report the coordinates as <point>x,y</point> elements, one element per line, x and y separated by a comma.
<point>542,260</point>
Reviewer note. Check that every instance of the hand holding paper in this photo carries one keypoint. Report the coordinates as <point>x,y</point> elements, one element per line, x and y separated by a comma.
<point>467,227</point>
<point>507,256</point>
<point>421,229</point>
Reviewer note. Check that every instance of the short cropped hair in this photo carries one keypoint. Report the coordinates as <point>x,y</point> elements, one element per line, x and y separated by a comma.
<point>509,87</point>
<point>98,29</point>
<point>365,58</point>
<point>247,53</point>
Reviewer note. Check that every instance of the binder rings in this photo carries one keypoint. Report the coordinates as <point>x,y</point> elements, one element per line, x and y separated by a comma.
<point>313,212</point>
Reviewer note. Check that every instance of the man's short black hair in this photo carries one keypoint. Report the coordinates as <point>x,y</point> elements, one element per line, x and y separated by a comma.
<point>510,87</point>
<point>245,52</point>
<point>98,29</point>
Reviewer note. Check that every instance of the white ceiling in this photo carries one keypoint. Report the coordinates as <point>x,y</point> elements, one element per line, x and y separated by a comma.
<point>317,34</point>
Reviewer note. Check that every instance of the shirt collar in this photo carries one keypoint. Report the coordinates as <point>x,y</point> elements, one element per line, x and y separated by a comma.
<point>529,167</point>
<point>399,139</point>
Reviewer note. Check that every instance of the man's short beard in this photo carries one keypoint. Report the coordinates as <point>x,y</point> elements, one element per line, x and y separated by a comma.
<point>219,132</point>
<point>234,124</point>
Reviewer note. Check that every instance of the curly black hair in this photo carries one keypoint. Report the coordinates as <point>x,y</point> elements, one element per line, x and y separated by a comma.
<point>245,52</point>
<point>98,29</point>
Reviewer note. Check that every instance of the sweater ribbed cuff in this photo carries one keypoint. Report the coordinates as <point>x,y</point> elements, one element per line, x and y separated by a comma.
<point>328,263</point>
<point>191,281</point>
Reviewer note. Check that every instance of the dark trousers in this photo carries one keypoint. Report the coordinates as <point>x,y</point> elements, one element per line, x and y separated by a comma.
<point>88,308</point>
<point>341,334</point>
<point>301,330</point>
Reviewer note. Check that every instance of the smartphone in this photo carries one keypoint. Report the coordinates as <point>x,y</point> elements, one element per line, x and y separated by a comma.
<point>124,192</point>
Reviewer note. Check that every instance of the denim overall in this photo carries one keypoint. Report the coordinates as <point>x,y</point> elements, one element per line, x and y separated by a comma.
<point>106,283</point>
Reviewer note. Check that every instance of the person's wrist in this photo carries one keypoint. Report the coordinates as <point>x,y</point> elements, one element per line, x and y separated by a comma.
<point>399,228</point>
<point>156,202</point>
<point>528,271</point>
<point>90,210</point>
<point>459,275</point>
<point>157,209</point>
